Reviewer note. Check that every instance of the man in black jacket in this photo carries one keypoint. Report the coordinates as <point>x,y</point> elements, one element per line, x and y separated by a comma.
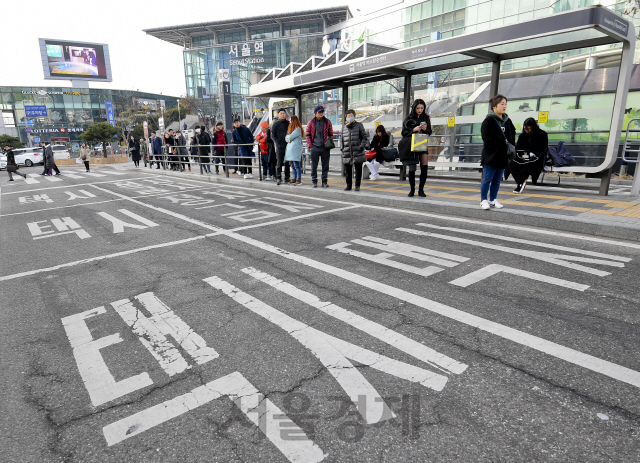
<point>11,161</point>
<point>278,132</point>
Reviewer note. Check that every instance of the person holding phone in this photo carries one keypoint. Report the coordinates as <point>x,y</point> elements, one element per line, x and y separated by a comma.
<point>418,121</point>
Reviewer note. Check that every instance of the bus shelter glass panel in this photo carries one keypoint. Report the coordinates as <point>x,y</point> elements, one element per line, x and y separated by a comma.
<point>330,99</point>
<point>575,95</point>
<point>456,107</point>
<point>379,103</point>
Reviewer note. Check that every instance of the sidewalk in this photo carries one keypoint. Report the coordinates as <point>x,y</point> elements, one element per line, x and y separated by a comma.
<point>568,209</point>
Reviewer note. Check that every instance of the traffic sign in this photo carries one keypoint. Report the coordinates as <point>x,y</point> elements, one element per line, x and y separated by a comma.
<point>36,139</point>
<point>27,129</point>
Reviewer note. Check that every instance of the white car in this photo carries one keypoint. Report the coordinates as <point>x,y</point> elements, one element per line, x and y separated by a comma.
<point>24,157</point>
<point>60,152</point>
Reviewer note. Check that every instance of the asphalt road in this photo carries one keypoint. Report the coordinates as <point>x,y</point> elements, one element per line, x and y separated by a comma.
<point>147,318</point>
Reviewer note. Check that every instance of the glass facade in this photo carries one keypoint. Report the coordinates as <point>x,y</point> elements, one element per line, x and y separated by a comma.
<point>69,110</point>
<point>201,65</point>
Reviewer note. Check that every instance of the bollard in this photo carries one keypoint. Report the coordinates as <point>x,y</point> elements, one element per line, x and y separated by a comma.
<point>226,160</point>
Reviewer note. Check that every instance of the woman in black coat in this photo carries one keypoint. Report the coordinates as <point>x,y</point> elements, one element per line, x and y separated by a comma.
<point>532,140</point>
<point>496,129</point>
<point>134,149</point>
<point>418,121</point>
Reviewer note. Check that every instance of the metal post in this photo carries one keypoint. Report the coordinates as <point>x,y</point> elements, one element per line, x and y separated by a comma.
<point>226,161</point>
<point>495,79</point>
<point>604,183</point>
<point>259,162</point>
<point>635,186</point>
<point>406,104</point>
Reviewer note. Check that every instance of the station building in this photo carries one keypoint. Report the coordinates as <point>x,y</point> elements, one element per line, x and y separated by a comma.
<point>70,110</point>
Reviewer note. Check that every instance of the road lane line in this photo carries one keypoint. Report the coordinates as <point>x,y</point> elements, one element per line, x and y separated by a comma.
<point>492,269</point>
<point>529,242</point>
<point>586,361</point>
<point>260,411</point>
<point>558,259</point>
<point>67,186</point>
<point>334,353</point>
<point>553,349</point>
<point>407,345</point>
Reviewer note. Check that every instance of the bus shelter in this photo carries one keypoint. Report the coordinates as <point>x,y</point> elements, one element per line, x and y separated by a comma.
<point>371,62</point>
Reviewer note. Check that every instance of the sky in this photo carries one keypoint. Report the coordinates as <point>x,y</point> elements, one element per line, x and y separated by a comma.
<point>138,61</point>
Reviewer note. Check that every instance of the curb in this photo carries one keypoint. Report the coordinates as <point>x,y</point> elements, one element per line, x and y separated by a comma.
<point>604,228</point>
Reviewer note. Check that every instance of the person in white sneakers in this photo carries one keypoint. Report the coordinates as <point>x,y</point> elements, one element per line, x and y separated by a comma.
<point>497,129</point>
<point>380,141</point>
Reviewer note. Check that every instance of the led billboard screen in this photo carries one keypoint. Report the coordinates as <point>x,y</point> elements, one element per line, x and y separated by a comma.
<point>75,60</point>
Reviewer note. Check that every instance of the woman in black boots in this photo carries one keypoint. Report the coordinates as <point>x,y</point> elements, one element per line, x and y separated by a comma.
<point>417,122</point>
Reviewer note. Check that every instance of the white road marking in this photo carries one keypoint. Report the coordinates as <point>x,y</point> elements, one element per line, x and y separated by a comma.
<point>540,231</point>
<point>558,259</point>
<point>30,180</point>
<point>384,258</point>
<point>333,354</point>
<point>69,174</point>
<point>119,225</point>
<point>553,349</point>
<point>93,174</point>
<point>575,357</point>
<point>153,332</point>
<point>100,383</point>
<point>407,345</point>
<point>492,269</point>
<point>416,252</point>
<point>291,206</point>
<point>511,239</point>
<point>60,186</point>
<point>245,396</point>
<point>51,178</point>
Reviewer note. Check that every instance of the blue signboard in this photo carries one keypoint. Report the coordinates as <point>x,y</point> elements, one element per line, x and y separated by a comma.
<point>110,117</point>
<point>36,139</point>
<point>35,111</point>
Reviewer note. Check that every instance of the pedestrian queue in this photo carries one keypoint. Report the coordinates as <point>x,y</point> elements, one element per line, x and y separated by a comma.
<point>242,136</point>
<point>263,139</point>
<point>353,145</point>
<point>320,142</point>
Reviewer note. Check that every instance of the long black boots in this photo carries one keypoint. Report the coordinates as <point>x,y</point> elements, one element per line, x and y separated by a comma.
<point>412,182</point>
<point>423,178</point>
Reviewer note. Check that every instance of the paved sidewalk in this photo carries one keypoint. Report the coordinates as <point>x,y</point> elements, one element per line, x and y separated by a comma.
<point>569,209</point>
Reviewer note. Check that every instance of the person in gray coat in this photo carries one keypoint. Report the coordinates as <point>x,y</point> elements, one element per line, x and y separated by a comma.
<point>353,144</point>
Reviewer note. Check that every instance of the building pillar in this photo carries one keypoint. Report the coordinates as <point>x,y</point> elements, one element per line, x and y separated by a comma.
<point>406,103</point>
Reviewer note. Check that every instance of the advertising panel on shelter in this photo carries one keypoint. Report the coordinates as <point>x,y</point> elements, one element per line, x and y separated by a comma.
<point>75,60</point>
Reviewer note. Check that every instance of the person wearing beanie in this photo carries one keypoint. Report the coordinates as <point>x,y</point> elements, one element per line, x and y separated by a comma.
<point>278,133</point>
<point>263,142</point>
<point>319,141</point>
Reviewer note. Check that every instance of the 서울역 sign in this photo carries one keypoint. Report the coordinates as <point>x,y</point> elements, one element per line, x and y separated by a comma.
<point>35,111</point>
<point>245,53</point>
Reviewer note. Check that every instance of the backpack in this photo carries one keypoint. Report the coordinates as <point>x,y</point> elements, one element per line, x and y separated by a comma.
<point>561,156</point>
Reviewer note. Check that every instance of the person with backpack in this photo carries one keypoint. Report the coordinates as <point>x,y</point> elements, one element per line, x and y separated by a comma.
<point>497,131</point>
<point>417,122</point>
<point>293,153</point>
<point>243,136</point>
<point>320,141</point>
<point>533,142</point>
<point>353,144</point>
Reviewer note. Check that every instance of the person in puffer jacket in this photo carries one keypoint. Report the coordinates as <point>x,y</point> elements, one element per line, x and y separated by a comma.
<point>353,144</point>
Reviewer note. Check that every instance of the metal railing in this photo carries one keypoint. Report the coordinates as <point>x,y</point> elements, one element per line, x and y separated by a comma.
<point>635,186</point>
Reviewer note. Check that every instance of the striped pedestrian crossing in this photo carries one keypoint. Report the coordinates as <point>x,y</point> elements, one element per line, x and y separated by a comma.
<point>66,174</point>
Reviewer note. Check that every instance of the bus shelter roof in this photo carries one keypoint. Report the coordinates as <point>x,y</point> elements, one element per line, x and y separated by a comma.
<point>371,62</point>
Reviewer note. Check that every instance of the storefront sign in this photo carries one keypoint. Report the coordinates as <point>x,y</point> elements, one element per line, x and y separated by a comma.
<point>45,92</point>
<point>58,130</point>
<point>110,116</point>
<point>36,111</point>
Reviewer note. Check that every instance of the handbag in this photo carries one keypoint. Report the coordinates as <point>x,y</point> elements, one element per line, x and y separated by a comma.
<point>390,154</point>
<point>511,149</point>
<point>370,154</point>
<point>330,144</point>
<point>12,168</point>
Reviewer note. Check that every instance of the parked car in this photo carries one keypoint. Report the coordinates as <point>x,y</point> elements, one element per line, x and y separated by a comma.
<point>60,152</point>
<point>24,157</point>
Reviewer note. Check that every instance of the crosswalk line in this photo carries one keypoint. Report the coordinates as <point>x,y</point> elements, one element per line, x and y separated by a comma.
<point>31,180</point>
<point>71,175</point>
<point>93,174</point>
<point>53,179</point>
